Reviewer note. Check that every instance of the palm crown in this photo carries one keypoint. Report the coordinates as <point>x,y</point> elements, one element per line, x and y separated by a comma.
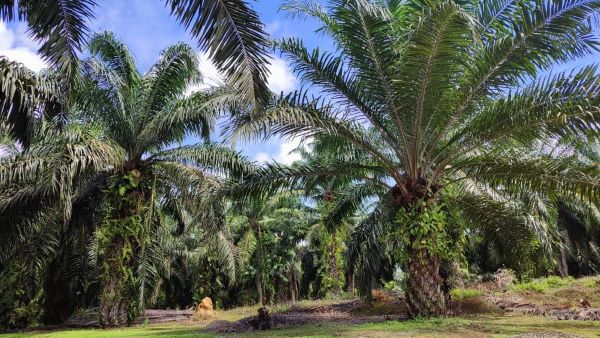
<point>424,97</point>
<point>147,115</point>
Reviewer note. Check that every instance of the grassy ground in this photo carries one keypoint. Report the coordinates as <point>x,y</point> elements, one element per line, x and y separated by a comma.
<point>558,291</point>
<point>566,292</point>
<point>476,326</point>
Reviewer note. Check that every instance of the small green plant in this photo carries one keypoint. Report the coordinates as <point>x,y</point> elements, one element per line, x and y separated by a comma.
<point>557,282</point>
<point>392,286</point>
<point>461,294</point>
<point>591,283</point>
<point>541,285</point>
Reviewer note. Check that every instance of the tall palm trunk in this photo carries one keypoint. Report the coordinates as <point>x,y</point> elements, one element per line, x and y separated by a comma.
<point>114,298</point>
<point>122,239</point>
<point>261,263</point>
<point>422,226</point>
<point>259,288</point>
<point>563,267</point>
<point>424,286</point>
<point>293,287</point>
<point>332,264</point>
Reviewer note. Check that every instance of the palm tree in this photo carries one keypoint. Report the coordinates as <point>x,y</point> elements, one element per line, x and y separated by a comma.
<point>230,31</point>
<point>569,231</point>
<point>431,97</point>
<point>134,158</point>
<point>263,228</point>
<point>147,115</point>
<point>46,193</point>
<point>27,98</point>
<point>578,221</point>
<point>329,231</point>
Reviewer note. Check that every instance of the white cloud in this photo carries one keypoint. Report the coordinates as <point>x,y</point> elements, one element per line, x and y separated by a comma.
<point>263,157</point>
<point>286,153</point>
<point>15,45</point>
<point>211,75</point>
<point>280,77</point>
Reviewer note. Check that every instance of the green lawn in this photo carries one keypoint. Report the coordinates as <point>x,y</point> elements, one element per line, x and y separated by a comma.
<point>479,326</point>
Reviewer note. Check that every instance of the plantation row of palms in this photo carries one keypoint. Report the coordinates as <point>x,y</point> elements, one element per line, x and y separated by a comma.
<point>441,134</point>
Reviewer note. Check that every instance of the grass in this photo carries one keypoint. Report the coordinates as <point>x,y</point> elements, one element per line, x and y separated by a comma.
<point>476,326</point>
<point>542,285</point>
<point>551,290</point>
<point>462,294</point>
<point>560,291</point>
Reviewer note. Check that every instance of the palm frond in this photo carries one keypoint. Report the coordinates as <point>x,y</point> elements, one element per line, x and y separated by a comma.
<point>26,98</point>
<point>183,117</point>
<point>233,36</point>
<point>276,177</point>
<point>544,175</point>
<point>61,27</point>
<point>552,107</point>
<point>177,69</point>
<point>115,54</point>
<point>211,157</point>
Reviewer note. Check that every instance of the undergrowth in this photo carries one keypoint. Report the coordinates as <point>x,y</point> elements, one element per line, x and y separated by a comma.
<point>542,285</point>
<point>461,294</point>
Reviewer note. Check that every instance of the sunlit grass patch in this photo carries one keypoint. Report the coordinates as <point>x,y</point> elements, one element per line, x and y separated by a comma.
<point>461,294</point>
<point>542,285</point>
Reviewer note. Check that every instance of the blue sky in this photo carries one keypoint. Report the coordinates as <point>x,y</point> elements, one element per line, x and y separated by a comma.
<point>147,27</point>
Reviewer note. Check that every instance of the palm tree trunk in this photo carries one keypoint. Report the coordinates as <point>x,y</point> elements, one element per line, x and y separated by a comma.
<point>293,282</point>
<point>422,226</point>
<point>261,263</point>
<point>259,288</point>
<point>334,271</point>
<point>114,300</point>
<point>563,267</point>
<point>424,287</point>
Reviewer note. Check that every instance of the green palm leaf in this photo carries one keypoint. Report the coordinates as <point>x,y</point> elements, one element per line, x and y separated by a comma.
<point>233,36</point>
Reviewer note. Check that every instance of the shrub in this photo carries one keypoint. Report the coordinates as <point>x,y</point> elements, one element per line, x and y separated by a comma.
<point>542,285</point>
<point>461,294</point>
<point>392,286</point>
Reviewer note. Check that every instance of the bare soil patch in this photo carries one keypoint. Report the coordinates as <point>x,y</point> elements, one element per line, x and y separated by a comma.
<point>350,312</point>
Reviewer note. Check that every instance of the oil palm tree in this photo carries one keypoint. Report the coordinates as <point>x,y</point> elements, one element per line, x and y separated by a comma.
<point>135,124</point>
<point>434,96</point>
<point>578,221</point>
<point>263,228</point>
<point>329,230</point>
<point>230,31</point>
<point>147,115</point>
<point>46,207</point>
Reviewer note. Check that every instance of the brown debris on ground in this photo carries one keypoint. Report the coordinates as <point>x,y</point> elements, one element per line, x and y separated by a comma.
<point>560,313</point>
<point>351,312</point>
<point>573,301</point>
